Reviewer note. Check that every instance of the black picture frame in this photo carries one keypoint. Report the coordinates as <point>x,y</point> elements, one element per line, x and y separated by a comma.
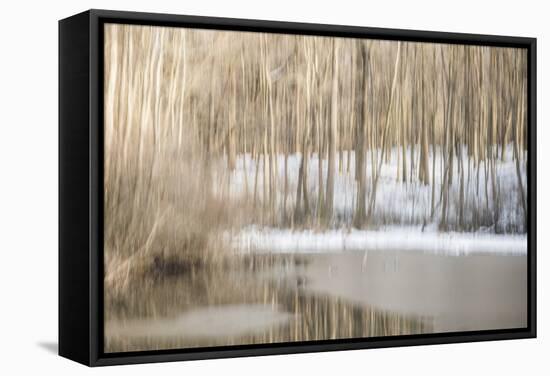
<point>81,186</point>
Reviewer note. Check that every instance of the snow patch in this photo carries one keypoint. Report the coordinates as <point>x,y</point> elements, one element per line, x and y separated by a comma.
<point>271,240</point>
<point>405,203</point>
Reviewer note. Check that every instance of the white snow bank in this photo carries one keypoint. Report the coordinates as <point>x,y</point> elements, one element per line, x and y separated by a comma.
<point>397,203</point>
<point>270,240</point>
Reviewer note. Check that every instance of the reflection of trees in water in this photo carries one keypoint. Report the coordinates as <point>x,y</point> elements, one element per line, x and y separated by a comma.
<point>314,317</point>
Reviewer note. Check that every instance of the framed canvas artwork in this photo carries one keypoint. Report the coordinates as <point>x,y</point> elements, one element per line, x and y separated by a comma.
<point>240,187</point>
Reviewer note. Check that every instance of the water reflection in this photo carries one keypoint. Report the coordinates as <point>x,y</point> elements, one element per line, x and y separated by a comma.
<point>257,299</point>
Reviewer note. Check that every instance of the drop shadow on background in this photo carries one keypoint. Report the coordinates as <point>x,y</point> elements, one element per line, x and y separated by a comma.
<point>51,347</point>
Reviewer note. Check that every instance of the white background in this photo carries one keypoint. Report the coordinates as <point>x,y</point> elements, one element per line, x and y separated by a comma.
<point>28,186</point>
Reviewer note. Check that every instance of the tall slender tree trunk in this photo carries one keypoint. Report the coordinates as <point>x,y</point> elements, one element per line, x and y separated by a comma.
<point>333,131</point>
<point>372,200</point>
<point>424,164</point>
<point>361,97</point>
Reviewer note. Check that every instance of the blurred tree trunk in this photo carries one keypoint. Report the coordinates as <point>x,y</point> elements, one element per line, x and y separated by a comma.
<point>333,131</point>
<point>361,98</point>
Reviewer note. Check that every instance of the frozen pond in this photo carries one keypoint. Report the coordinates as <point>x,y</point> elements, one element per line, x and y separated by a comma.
<point>297,297</point>
<point>459,293</point>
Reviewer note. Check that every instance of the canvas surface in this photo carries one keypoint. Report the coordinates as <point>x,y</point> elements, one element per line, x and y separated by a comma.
<point>264,188</point>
